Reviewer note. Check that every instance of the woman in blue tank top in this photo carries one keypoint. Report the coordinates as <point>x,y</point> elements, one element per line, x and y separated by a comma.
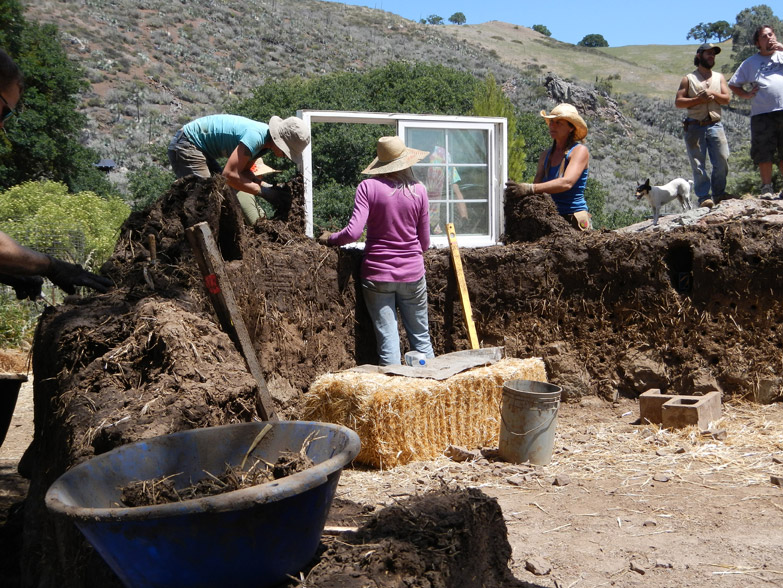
<point>562,169</point>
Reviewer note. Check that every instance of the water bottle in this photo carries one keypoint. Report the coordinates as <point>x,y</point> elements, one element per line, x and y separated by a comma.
<point>415,359</point>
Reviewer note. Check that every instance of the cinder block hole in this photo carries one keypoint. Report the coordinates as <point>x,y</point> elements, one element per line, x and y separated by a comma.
<point>686,401</point>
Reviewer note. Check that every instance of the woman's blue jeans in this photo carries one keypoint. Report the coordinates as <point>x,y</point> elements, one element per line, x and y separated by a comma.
<point>701,141</point>
<point>382,300</point>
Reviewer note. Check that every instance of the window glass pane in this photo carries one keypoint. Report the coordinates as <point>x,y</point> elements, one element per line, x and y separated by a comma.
<point>456,174</point>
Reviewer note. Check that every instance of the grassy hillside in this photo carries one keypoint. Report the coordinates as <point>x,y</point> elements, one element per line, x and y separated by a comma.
<point>154,65</point>
<point>651,70</point>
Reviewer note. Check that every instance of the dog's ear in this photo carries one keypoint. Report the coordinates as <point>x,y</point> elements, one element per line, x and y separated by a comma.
<point>647,183</point>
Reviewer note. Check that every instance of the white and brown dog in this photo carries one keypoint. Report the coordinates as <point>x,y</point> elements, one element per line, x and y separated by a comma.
<point>657,196</point>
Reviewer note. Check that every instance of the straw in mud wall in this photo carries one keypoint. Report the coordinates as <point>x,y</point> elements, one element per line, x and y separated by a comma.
<point>402,419</point>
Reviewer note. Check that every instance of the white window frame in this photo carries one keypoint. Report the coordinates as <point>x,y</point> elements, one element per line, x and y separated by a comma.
<point>497,150</point>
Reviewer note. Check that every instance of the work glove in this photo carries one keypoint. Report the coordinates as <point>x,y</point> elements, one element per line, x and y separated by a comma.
<point>275,195</point>
<point>24,286</point>
<point>323,238</point>
<point>68,276</point>
<point>516,190</point>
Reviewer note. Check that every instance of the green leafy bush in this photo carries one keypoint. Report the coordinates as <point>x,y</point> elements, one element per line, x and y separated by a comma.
<point>147,184</point>
<point>17,319</point>
<point>79,227</point>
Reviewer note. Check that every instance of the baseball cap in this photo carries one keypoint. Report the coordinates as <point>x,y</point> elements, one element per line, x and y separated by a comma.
<point>706,46</point>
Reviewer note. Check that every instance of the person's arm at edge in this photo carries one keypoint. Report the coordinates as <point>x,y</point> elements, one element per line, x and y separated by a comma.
<point>17,259</point>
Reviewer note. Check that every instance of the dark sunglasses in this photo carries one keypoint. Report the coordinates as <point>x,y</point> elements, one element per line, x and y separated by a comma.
<point>8,112</point>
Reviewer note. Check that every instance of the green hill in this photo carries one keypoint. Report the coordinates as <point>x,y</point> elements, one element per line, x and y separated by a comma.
<point>650,70</point>
<point>154,65</point>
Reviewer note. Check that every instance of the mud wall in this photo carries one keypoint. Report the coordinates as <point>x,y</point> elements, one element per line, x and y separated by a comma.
<point>611,314</point>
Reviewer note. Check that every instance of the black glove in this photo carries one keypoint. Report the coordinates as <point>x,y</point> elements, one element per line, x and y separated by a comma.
<point>276,195</point>
<point>24,286</point>
<point>68,276</point>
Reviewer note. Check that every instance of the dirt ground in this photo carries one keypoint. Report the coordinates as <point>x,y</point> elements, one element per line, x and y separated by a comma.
<point>688,311</point>
<point>637,506</point>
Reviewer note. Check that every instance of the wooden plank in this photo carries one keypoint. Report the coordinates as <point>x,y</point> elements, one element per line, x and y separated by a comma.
<point>456,264</point>
<point>210,262</point>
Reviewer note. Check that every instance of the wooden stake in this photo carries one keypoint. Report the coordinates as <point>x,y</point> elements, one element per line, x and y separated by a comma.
<point>456,264</point>
<point>210,262</point>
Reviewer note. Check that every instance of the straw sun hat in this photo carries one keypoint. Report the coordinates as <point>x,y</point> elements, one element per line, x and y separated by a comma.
<point>569,113</point>
<point>259,168</point>
<point>393,156</point>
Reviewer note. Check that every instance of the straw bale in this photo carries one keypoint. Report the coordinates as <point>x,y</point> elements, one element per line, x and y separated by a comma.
<point>401,419</point>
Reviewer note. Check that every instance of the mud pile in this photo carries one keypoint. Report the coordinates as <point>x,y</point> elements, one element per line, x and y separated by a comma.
<point>434,540</point>
<point>611,314</point>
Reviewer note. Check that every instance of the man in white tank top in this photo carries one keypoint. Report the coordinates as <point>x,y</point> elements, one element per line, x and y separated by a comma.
<point>702,93</point>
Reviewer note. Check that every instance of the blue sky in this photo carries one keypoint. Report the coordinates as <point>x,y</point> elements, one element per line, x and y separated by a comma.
<point>656,22</point>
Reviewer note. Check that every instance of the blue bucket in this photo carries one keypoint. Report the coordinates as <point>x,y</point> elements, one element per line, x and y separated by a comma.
<point>250,537</point>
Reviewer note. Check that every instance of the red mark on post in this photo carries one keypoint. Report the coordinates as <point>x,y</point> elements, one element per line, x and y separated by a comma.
<point>211,282</point>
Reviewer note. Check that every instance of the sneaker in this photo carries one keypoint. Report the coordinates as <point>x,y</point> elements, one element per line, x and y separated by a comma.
<point>707,203</point>
<point>767,192</point>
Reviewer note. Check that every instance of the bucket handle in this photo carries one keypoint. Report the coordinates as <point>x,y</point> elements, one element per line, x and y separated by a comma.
<point>533,430</point>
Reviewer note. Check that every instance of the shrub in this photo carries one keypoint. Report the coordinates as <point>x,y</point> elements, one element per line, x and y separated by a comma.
<point>79,227</point>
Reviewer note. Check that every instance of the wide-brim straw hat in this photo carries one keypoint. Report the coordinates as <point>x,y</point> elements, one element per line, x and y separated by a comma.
<point>290,135</point>
<point>259,168</point>
<point>393,156</point>
<point>568,112</point>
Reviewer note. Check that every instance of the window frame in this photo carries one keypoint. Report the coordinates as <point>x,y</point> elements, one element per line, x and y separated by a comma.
<point>496,128</point>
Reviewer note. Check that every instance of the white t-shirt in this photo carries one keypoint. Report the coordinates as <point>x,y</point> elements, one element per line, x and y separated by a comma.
<point>767,72</point>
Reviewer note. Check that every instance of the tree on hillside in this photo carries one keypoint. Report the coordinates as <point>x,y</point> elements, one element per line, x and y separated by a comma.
<point>458,18</point>
<point>703,32</point>
<point>539,28</point>
<point>43,140</point>
<point>748,21</point>
<point>593,40</point>
<point>434,19</point>
<point>721,30</point>
<point>490,100</point>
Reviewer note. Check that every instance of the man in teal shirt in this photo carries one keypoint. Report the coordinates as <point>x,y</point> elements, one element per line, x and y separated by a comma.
<point>198,145</point>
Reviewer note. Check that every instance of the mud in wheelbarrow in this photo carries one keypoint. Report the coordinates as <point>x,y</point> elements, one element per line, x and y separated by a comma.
<point>250,537</point>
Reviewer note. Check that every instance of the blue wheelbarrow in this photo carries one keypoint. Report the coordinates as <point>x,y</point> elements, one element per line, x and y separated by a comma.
<point>254,536</point>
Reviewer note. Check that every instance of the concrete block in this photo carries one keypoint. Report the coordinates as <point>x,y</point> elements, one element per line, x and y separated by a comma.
<point>682,411</point>
<point>650,406</point>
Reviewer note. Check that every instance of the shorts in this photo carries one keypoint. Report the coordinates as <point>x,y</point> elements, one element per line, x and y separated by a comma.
<point>187,159</point>
<point>766,137</point>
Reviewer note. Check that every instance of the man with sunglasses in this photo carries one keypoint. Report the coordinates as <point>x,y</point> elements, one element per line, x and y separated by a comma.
<point>20,267</point>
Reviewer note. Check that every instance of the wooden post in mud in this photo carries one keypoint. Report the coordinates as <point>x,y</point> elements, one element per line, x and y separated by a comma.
<point>456,264</point>
<point>210,262</point>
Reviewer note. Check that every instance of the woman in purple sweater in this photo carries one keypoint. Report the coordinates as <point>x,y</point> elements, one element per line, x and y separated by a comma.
<point>394,207</point>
